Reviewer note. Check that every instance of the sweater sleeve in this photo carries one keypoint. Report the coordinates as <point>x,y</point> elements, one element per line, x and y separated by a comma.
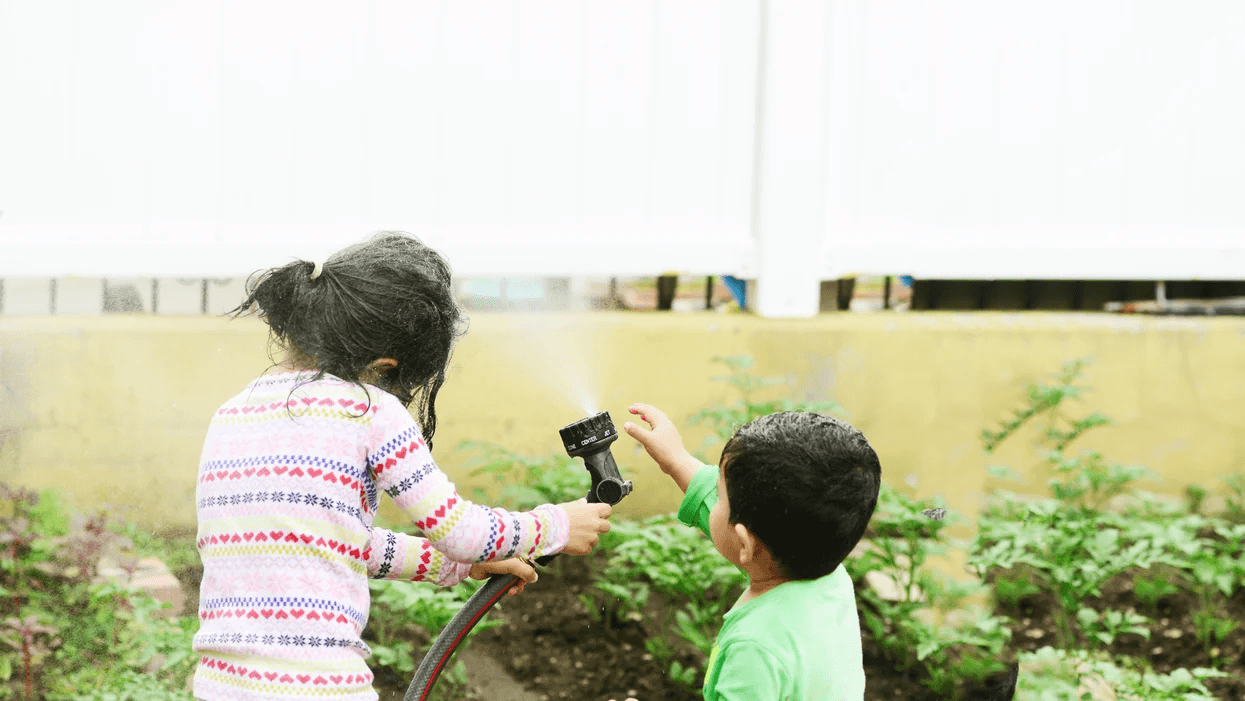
<point>400,556</point>
<point>465,532</point>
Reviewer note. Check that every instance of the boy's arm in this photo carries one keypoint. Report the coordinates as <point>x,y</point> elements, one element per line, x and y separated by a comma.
<point>701,494</point>
<point>697,481</point>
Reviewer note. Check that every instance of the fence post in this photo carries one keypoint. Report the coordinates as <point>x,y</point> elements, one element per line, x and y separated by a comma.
<point>789,195</point>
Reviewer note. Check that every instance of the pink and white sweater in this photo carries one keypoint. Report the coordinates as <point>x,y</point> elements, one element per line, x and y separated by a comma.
<point>285,507</point>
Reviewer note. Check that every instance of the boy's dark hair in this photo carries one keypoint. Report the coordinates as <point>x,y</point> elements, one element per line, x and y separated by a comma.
<point>388,297</point>
<point>806,485</point>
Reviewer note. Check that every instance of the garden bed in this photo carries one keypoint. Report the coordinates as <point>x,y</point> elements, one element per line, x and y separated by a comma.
<point>1145,601</point>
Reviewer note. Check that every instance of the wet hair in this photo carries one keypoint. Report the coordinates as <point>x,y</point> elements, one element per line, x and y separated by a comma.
<point>806,485</point>
<point>387,297</point>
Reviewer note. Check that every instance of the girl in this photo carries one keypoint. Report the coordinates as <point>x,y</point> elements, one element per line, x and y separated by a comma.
<point>292,468</point>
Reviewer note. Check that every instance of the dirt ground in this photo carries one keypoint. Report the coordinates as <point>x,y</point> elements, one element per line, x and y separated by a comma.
<point>551,648</point>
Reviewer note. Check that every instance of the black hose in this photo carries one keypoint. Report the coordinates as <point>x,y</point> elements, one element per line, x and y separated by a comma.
<point>456,631</point>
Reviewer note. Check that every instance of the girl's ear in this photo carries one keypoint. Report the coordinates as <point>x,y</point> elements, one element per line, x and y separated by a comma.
<point>384,364</point>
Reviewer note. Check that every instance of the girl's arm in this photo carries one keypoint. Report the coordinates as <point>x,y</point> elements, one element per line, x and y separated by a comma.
<point>411,558</point>
<point>463,531</point>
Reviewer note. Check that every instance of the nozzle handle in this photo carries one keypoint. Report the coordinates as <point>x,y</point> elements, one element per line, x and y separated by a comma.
<point>608,486</point>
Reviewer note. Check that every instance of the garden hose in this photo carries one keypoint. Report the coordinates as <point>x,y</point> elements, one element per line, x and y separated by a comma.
<point>589,439</point>
<point>456,631</point>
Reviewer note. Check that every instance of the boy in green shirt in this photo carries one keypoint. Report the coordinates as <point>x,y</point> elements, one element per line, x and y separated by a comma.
<point>791,499</point>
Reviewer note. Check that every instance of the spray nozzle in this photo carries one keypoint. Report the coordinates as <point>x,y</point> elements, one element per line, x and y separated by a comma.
<point>590,439</point>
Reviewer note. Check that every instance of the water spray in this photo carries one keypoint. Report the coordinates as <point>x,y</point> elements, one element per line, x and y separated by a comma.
<point>588,439</point>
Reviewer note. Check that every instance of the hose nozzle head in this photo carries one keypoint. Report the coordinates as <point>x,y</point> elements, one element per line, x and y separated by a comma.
<point>590,435</point>
<point>590,439</point>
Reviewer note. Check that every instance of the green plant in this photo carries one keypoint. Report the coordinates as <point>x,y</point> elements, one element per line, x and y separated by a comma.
<point>32,640</point>
<point>684,675</point>
<point>402,611</point>
<point>1075,675</point>
<point>1149,591</point>
<point>1195,496</point>
<point>1106,626</point>
<point>74,636</point>
<point>526,481</point>
<point>1010,591</point>
<point>723,421</point>
<point>1235,501</point>
<point>1073,553</point>
<point>137,652</point>
<point>950,656</point>
<point>1212,629</point>
<point>662,555</point>
<point>1087,480</point>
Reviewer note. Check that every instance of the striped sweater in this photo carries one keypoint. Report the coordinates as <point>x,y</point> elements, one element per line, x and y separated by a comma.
<point>287,490</point>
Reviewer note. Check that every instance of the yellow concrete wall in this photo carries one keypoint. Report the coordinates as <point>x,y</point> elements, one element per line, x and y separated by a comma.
<point>114,409</point>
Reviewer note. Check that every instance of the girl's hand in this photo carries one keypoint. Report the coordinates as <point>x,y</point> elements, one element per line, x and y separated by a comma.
<point>525,572</point>
<point>663,443</point>
<point>587,523</point>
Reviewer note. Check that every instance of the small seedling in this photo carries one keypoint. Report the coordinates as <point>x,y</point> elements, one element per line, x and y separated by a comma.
<point>1149,592</point>
<point>1106,626</point>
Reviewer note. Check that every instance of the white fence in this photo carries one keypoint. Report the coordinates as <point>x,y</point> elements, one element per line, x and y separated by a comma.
<point>782,140</point>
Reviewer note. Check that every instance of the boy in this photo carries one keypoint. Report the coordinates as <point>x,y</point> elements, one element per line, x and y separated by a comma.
<point>792,497</point>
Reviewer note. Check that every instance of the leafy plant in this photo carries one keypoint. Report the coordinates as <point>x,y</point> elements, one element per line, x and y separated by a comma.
<point>724,421</point>
<point>1087,480</point>
<point>33,641</point>
<point>1106,626</point>
<point>1235,502</point>
<point>72,635</point>
<point>1075,675</point>
<point>660,554</point>
<point>526,481</point>
<point>1195,496</point>
<point>1149,591</point>
<point>1072,553</point>
<point>1010,591</point>
<point>402,611</point>
<point>1212,629</point>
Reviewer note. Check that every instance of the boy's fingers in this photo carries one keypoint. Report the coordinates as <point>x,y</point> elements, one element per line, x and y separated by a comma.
<point>649,413</point>
<point>643,435</point>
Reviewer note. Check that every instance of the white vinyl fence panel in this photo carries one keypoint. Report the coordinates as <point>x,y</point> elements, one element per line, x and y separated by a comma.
<point>531,137</point>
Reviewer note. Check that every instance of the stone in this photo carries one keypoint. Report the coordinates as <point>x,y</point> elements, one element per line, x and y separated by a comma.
<point>150,576</point>
<point>889,589</point>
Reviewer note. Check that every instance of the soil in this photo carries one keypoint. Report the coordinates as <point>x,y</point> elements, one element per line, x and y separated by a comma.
<point>552,648</point>
<point>1173,642</point>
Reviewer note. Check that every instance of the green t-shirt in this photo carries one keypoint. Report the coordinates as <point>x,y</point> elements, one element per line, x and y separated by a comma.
<point>800,641</point>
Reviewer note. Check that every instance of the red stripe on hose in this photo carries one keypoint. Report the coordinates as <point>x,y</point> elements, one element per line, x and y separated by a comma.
<point>436,671</point>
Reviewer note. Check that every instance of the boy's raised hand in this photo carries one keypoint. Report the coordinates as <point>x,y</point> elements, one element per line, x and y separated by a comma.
<point>587,523</point>
<point>663,444</point>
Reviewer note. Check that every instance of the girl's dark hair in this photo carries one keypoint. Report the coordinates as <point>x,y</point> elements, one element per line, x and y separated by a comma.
<point>806,485</point>
<point>388,297</point>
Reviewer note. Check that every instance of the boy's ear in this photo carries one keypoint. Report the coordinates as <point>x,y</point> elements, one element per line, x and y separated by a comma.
<point>749,545</point>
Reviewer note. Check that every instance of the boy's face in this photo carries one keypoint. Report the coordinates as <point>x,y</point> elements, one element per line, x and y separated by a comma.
<point>725,539</point>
